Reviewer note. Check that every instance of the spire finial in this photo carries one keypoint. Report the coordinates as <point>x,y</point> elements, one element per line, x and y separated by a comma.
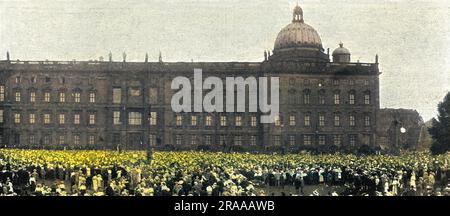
<point>146,57</point>
<point>124,56</point>
<point>160,56</point>
<point>341,44</point>
<point>110,56</point>
<point>7,55</point>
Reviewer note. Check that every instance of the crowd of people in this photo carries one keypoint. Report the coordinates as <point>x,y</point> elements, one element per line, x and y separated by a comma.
<point>112,173</point>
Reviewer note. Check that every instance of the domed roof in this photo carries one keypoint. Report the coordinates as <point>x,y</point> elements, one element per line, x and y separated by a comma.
<point>341,50</point>
<point>298,34</point>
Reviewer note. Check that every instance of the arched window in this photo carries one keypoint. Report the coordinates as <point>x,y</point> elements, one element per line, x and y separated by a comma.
<point>337,97</point>
<point>306,96</point>
<point>321,96</point>
<point>351,97</point>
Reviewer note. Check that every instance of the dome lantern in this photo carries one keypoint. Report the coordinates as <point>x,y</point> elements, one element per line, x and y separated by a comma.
<point>297,14</point>
<point>341,54</point>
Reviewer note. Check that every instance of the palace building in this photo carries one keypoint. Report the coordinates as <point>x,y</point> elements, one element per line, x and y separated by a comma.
<point>324,101</point>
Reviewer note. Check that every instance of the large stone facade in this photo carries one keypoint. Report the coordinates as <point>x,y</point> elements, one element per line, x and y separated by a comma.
<point>106,104</point>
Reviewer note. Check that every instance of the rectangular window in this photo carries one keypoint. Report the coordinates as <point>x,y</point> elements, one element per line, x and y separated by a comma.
<point>46,118</point>
<point>352,120</point>
<point>207,140</point>
<point>238,140</point>
<point>337,140</point>
<point>366,120</point>
<point>321,139</point>
<point>152,139</point>
<point>306,139</point>
<point>116,118</point>
<point>32,140</point>
<point>117,95</point>
<point>76,119</point>
<point>153,118</point>
<point>32,118</point>
<point>337,120</point>
<point>223,121</point>
<point>351,98</point>
<point>292,140</point>
<point>276,140</point>
<point>47,97</point>
<point>62,140</point>
<point>134,118</point>
<point>1,116</point>
<point>367,99</point>
<point>77,97</point>
<point>91,119</point>
<point>179,120</point>
<point>253,121</point>
<point>18,79</point>
<point>366,82</point>
<point>321,120</point>
<point>208,120</point>
<point>352,140</point>
<point>17,96</point>
<point>91,140</point>
<point>178,139</point>
<point>76,139</point>
<point>32,97</point>
<point>62,97</point>
<point>47,140</point>
<point>2,93</point>
<point>292,120</point>
<point>62,119</point>
<point>193,120</point>
<point>238,121</point>
<point>337,98</point>
<point>307,121</point>
<point>193,140</point>
<point>335,82</point>
<point>33,79</point>
<point>253,140</point>
<point>92,97</point>
<point>17,118</point>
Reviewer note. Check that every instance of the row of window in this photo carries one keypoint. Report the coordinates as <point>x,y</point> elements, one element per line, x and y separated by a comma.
<point>292,120</point>
<point>76,95</point>
<point>135,118</point>
<point>47,97</point>
<point>322,83</point>
<point>306,139</point>
<point>336,97</point>
<point>47,139</point>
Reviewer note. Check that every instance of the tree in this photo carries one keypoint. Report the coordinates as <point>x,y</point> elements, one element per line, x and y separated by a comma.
<point>440,129</point>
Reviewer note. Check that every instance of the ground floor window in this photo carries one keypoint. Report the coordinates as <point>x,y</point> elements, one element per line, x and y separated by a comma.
<point>178,139</point>
<point>238,140</point>
<point>307,139</point>
<point>207,140</point>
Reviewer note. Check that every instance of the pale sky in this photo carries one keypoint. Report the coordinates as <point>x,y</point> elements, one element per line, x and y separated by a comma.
<point>412,38</point>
